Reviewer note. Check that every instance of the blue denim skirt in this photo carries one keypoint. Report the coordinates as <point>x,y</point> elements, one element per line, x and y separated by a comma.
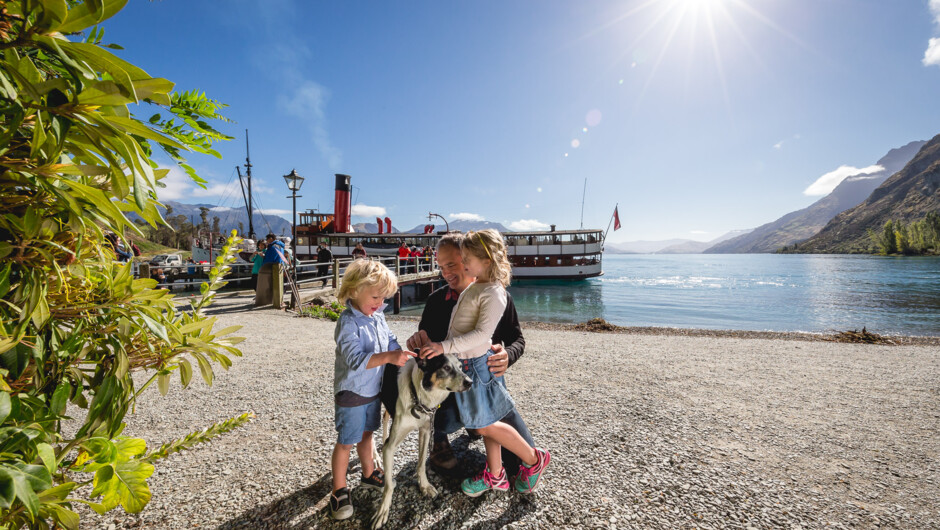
<point>487,401</point>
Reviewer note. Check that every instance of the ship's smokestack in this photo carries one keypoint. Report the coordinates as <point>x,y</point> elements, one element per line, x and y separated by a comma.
<point>378,221</point>
<point>388,225</point>
<point>341,205</point>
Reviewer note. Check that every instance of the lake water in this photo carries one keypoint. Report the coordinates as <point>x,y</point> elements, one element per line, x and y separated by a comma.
<point>748,292</point>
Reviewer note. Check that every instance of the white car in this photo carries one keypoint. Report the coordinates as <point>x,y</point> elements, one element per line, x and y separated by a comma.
<point>166,260</point>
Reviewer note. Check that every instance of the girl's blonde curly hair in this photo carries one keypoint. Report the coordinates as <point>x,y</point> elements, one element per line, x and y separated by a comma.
<point>488,244</point>
<point>366,273</point>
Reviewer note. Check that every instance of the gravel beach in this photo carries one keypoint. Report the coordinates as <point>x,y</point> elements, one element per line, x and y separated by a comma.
<point>647,430</point>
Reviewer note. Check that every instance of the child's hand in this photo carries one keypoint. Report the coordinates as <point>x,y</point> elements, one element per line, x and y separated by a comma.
<point>416,341</point>
<point>400,357</point>
<point>433,349</point>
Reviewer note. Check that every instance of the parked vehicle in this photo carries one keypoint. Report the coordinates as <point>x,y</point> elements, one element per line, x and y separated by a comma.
<point>166,260</point>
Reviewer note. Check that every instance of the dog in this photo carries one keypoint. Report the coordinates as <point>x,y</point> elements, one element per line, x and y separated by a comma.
<point>423,384</point>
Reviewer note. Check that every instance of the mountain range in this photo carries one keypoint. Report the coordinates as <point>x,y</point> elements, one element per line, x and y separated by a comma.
<point>228,218</point>
<point>803,224</point>
<point>668,246</point>
<point>907,196</point>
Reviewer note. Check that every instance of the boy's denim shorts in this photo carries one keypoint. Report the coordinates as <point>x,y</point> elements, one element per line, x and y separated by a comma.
<point>351,422</point>
<point>487,401</point>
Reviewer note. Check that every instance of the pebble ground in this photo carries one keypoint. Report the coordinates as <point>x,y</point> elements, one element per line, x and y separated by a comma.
<point>646,431</point>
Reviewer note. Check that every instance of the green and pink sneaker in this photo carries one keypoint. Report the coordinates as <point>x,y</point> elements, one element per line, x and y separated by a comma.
<point>484,481</point>
<point>528,477</point>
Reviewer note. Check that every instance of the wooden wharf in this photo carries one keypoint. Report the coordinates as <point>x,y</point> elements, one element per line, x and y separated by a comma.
<point>408,271</point>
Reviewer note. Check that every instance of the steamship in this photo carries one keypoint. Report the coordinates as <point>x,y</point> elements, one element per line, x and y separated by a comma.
<point>540,254</point>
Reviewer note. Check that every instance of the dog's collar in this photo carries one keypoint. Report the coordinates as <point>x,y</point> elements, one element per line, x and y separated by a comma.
<point>418,407</point>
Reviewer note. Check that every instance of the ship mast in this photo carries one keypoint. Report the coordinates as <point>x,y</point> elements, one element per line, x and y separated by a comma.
<point>247,197</point>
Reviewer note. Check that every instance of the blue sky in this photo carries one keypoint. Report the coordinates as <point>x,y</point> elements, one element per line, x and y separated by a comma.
<point>696,116</point>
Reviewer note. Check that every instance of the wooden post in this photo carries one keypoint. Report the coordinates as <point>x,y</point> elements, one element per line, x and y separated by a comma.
<point>277,286</point>
<point>335,272</point>
<point>398,266</point>
<point>396,306</point>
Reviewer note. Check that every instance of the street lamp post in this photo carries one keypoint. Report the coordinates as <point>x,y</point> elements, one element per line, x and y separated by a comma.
<point>294,181</point>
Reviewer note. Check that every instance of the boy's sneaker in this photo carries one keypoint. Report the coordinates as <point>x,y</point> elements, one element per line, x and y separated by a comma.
<point>375,481</point>
<point>528,477</point>
<point>476,486</point>
<point>340,505</point>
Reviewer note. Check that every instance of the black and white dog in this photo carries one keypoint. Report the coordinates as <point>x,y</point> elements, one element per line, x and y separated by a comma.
<point>422,387</point>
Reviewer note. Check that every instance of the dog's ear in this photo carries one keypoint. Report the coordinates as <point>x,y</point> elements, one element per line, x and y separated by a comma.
<point>422,363</point>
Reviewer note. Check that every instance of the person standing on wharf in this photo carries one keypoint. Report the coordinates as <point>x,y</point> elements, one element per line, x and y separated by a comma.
<point>433,328</point>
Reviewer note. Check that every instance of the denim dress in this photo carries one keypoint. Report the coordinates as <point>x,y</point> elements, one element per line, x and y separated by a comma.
<point>488,400</point>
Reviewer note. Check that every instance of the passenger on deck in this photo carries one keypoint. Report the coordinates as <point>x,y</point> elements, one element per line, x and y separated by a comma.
<point>324,258</point>
<point>403,253</point>
<point>359,251</point>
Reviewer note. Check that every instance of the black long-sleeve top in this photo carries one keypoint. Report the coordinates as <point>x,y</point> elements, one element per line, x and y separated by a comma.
<point>436,319</point>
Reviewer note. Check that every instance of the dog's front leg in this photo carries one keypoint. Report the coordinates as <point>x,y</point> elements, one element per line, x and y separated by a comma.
<point>395,437</point>
<point>424,438</point>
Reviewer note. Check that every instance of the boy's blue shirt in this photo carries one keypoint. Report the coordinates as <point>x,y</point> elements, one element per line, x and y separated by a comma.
<point>359,337</point>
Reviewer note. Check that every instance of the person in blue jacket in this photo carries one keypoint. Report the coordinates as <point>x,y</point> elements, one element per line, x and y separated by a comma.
<point>274,253</point>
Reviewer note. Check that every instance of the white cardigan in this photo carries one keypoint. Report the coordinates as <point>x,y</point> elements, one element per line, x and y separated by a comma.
<point>473,321</point>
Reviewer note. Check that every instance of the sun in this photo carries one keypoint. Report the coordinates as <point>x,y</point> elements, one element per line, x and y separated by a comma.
<point>712,32</point>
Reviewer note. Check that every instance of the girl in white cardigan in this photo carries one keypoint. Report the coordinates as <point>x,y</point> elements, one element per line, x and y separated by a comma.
<point>478,311</point>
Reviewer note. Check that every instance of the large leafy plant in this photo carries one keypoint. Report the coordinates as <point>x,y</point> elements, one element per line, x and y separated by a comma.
<point>74,324</point>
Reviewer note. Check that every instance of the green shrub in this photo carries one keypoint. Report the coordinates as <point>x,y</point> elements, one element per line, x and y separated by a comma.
<point>74,324</point>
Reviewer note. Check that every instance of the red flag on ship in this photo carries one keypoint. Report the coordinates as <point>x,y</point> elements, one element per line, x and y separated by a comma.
<point>616,220</point>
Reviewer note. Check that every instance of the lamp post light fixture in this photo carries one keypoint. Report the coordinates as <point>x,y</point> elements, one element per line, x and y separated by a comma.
<point>294,182</point>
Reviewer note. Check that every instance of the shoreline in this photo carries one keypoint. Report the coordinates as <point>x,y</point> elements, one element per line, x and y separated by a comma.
<point>804,336</point>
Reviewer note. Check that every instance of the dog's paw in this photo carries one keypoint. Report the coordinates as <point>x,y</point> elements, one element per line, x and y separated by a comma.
<point>379,519</point>
<point>429,491</point>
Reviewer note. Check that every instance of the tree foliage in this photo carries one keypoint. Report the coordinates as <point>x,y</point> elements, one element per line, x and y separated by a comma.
<point>918,237</point>
<point>74,324</point>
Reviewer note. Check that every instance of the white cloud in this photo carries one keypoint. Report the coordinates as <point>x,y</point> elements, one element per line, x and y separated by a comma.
<point>180,186</point>
<point>778,145</point>
<point>217,190</point>
<point>361,210</point>
<point>308,103</point>
<point>828,182</point>
<point>464,216</point>
<point>525,225</point>
<point>272,211</point>
<point>932,54</point>
<point>177,184</point>
<point>220,209</point>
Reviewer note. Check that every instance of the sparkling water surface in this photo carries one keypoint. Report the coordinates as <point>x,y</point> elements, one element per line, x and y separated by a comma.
<point>817,293</point>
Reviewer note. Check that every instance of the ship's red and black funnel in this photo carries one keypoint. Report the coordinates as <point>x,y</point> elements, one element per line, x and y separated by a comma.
<point>388,225</point>
<point>378,221</point>
<point>341,212</point>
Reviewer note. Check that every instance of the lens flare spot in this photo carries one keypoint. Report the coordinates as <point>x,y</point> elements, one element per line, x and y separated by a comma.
<point>593,118</point>
<point>526,205</point>
<point>540,189</point>
<point>584,129</point>
<point>620,82</point>
<point>575,143</point>
<point>566,155</point>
